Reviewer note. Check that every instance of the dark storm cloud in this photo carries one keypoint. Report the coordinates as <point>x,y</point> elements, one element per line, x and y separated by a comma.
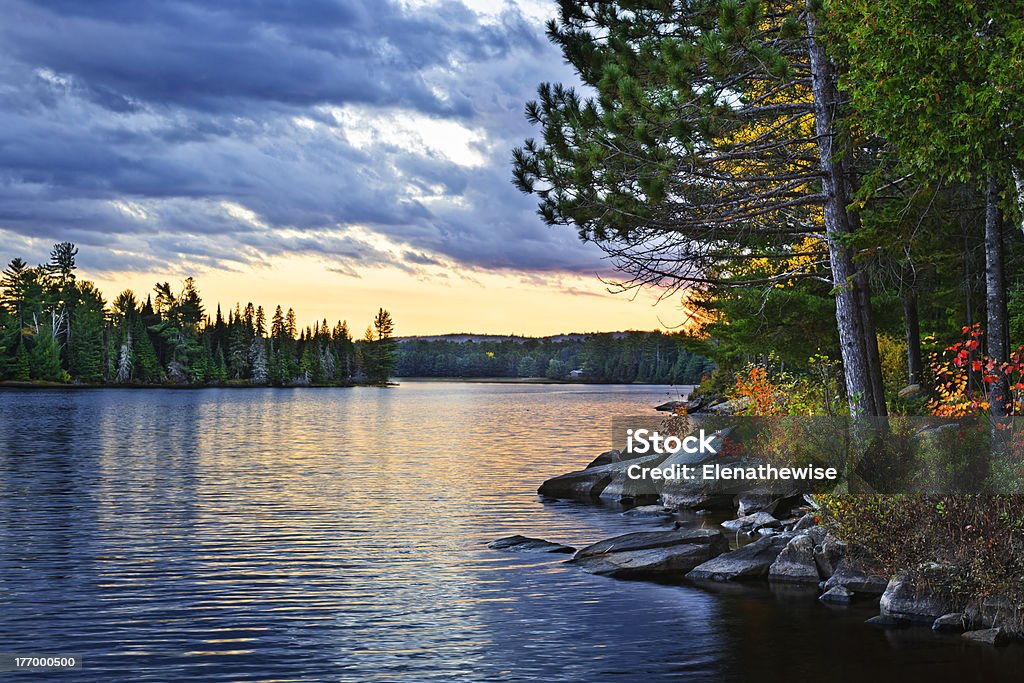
<point>222,134</point>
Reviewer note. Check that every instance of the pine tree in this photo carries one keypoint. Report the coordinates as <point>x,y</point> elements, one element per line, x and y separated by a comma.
<point>44,356</point>
<point>20,371</point>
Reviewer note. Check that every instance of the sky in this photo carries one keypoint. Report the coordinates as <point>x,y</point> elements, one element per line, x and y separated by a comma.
<point>334,156</point>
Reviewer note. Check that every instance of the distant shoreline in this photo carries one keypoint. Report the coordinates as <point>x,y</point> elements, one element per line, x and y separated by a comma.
<point>396,382</point>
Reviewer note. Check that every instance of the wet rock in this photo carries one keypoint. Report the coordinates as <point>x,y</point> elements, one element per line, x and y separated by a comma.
<point>649,511</point>
<point>902,599</point>
<point>752,523</point>
<point>856,580</point>
<point>988,636</point>
<point>954,622</point>
<point>795,564</point>
<point>651,552</point>
<point>750,561</point>
<point>886,621</point>
<point>520,544</point>
<point>838,595</point>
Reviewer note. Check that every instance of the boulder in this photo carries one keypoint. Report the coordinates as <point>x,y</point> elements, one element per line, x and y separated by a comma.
<point>828,555</point>
<point>649,511</point>
<point>997,611</point>
<point>795,564</point>
<point>651,552</point>
<point>954,622</point>
<point>752,523</point>
<point>606,458</point>
<point>519,544</point>
<point>749,503</point>
<point>730,407</point>
<point>750,561</point>
<point>700,493</point>
<point>588,485</point>
<point>805,522</point>
<point>909,391</point>
<point>988,636</point>
<point>903,600</point>
<point>838,595</point>
<point>856,580</point>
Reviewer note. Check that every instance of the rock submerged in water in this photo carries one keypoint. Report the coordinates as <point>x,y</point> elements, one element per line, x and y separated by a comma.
<point>649,511</point>
<point>525,544</point>
<point>645,553</point>
<point>886,622</point>
<point>837,595</point>
<point>751,561</point>
<point>988,636</point>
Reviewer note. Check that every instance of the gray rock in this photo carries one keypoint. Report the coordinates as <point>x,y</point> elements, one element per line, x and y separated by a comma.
<point>828,555</point>
<point>902,599</point>
<point>909,391</point>
<point>749,503</point>
<point>651,552</point>
<point>589,484</point>
<point>856,580</point>
<point>606,458</point>
<point>649,511</point>
<point>752,523</point>
<point>730,407</point>
<point>885,621</point>
<point>520,544</point>
<point>804,523</point>
<point>838,595</point>
<point>750,561</point>
<point>988,636</point>
<point>954,622</point>
<point>795,564</point>
<point>997,611</point>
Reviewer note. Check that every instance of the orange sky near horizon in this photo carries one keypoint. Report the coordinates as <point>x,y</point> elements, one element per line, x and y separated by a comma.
<point>429,301</point>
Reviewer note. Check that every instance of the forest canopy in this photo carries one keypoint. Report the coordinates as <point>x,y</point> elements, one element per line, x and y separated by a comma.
<point>57,328</point>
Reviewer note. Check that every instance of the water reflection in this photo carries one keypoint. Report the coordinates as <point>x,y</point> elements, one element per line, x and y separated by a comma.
<point>340,535</point>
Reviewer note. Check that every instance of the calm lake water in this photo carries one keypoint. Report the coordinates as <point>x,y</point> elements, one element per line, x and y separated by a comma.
<point>340,535</point>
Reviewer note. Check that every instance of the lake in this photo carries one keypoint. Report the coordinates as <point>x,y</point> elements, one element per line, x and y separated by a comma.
<point>340,535</point>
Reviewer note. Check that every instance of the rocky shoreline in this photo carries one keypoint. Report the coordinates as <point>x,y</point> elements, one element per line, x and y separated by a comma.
<point>774,537</point>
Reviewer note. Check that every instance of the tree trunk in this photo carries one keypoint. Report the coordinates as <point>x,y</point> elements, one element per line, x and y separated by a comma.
<point>858,370</point>
<point>913,336</point>
<point>863,291</point>
<point>995,295</point>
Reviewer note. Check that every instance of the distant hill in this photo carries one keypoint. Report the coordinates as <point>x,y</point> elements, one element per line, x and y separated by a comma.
<point>462,337</point>
<point>618,357</point>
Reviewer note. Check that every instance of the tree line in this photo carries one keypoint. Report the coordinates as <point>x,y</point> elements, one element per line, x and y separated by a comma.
<point>57,328</point>
<point>645,357</point>
<point>816,177</point>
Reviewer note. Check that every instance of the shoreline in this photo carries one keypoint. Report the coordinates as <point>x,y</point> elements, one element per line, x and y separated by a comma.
<point>770,540</point>
<point>396,382</point>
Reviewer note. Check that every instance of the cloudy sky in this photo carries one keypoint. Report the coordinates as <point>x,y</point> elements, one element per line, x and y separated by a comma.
<point>331,155</point>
